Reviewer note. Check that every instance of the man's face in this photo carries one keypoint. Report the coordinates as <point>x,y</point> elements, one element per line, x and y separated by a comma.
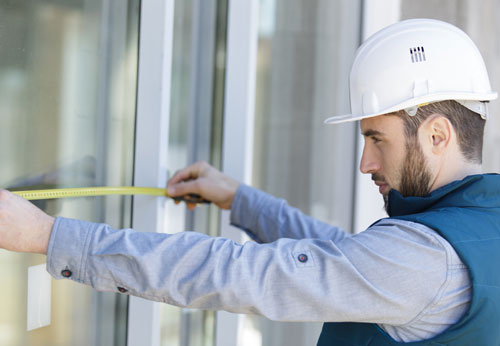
<point>394,161</point>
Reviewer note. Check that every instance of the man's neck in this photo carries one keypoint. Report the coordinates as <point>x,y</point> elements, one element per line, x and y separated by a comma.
<point>463,170</point>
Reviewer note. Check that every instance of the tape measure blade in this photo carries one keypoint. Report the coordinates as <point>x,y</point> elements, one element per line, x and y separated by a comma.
<point>90,192</point>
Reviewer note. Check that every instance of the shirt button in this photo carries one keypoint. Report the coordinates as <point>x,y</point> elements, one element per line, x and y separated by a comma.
<point>302,258</point>
<point>66,273</point>
<point>122,290</point>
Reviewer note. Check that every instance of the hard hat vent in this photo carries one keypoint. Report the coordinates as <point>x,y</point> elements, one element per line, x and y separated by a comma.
<point>417,54</point>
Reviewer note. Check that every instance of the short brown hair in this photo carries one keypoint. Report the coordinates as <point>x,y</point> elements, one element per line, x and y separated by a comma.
<point>468,125</point>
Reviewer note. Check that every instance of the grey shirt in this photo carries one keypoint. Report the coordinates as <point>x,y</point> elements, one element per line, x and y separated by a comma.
<point>400,275</point>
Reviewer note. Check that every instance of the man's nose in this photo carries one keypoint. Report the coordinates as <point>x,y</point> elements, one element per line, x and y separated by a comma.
<point>369,162</point>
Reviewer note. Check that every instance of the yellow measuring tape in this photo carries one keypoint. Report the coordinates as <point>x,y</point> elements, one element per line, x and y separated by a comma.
<point>91,192</point>
<point>106,191</point>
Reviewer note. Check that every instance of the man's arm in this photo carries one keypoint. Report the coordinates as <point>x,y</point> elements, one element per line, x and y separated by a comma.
<point>359,279</point>
<point>262,216</point>
<point>23,226</point>
<point>266,219</point>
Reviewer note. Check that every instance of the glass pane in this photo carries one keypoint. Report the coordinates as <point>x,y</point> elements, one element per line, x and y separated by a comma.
<point>195,133</point>
<point>67,107</point>
<point>305,51</point>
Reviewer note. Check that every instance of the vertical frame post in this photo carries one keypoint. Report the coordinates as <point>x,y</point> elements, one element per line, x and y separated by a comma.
<point>238,135</point>
<point>151,145</point>
<point>369,205</point>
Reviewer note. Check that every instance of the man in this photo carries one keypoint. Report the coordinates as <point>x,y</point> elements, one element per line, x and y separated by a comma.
<point>427,274</point>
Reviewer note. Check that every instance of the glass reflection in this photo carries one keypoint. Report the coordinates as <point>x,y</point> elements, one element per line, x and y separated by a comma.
<point>67,107</point>
<point>304,54</point>
<point>195,133</point>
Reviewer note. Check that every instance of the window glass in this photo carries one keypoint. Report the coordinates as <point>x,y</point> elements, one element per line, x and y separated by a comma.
<point>68,75</point>
<point>305,51</point>
<point>195,132</point>
<point>304,56</point>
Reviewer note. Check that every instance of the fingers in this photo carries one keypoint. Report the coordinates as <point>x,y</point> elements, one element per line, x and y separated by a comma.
<point>185,181</point>
<point>184,188</point>
<point>180,176</point>
<point>191,206</point>
<point>188,173</point>
<point>206,181</point>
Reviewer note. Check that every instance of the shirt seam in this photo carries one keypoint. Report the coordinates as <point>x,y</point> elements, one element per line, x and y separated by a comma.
<point>85,255</point>
<point>52,238</point>
<point>442,289</point>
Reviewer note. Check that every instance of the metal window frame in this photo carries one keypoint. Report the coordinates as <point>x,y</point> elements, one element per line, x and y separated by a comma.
<point>151,146</point>
<point>369,205</point>
<point>238,134</point>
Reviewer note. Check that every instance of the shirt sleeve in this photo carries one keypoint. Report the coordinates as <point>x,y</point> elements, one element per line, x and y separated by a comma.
<point>381,275</point>
<point>266,218</point>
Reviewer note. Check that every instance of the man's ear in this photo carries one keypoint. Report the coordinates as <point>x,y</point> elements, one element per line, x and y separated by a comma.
<point>438,133</point>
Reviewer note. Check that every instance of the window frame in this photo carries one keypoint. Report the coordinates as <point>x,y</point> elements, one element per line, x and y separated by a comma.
<point>151,146</point>
<point>152,125</point>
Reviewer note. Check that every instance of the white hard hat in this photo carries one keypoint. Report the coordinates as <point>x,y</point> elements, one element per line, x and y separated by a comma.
<point>412,63</point>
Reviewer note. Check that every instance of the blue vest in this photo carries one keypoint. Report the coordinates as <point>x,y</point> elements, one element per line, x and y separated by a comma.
<point>467,214</point>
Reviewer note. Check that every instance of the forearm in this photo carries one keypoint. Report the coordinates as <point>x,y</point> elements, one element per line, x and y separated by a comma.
<point>276,280</point>
<point>23,227</point>
<point>193,270</point>
<point>266,219</point>
<point>189,269</point>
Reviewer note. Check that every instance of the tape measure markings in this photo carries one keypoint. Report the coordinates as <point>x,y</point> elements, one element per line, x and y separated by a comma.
<point>91,192</point>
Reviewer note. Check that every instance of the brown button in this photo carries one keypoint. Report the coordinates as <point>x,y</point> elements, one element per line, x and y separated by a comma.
<point>66,273</point>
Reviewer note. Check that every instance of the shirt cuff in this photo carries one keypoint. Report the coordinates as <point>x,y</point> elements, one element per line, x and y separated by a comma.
<point>68,248</point>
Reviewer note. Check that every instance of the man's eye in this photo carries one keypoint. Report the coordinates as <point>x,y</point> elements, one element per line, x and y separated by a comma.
<point>375,140</point>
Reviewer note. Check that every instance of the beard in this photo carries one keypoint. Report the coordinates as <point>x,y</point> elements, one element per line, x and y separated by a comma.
<point>415,176</point>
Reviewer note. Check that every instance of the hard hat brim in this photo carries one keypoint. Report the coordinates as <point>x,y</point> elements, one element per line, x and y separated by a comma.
<point>338,119</point>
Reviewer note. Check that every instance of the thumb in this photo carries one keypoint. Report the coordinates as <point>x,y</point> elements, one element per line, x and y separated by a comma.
<point>184,188</point>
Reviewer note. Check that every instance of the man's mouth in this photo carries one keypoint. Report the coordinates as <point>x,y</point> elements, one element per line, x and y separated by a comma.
<point>383,188</point>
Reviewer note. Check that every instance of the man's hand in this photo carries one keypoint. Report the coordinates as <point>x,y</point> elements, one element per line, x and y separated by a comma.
<point>202,179</point>
<point>23,227</point>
